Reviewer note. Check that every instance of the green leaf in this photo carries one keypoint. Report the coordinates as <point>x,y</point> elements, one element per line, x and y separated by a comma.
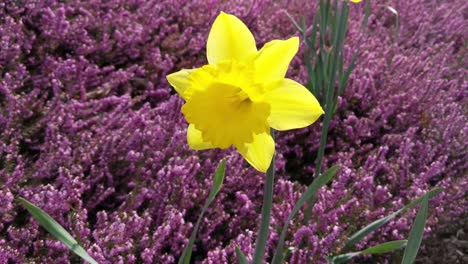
<point>240,256</point>
<point>293,21</point>
<point>379,249</point>
<point>217,182</point>
<point>385,247</point>
<point>306,196</point>
<point>356,237</point>
<point>344,79</point>
<point>341,258</point>
<point>416,233</point>
<point>431,194</point>
<point>56,230</point>
<point>367,10</point>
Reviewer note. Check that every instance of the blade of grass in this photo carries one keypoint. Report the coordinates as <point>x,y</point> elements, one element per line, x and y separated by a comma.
<point>385,247</point>
<point>313,37</point>
<point>56,230</point>
<point>240,256</point>
<point>416,233</point>
<point>291,18</point>
<point>345,77</point>
<point>367,10</point>
<point>341,258</point>
<point>306,196</point>
<point>329,73</point>
<point>379,249</point>
<point>356,237</point>
<point>217,182</point>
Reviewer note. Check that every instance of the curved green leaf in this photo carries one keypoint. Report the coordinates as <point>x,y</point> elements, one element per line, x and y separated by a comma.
<point>306,196</point>
<point>240,256</point>
<point>217,182</point>
<point>56,230</point>
<point>416,233</point>
<point>379,249</point>
<point>385,247</point>
<point>356,237</point>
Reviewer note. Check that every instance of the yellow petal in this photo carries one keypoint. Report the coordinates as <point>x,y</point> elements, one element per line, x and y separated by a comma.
<point>272,61</point>
<point>180,81</point>
<point>259,152</point>
<point>195,139</point>
<point>292,106</point>
<point>229,39</point>
<point>356,1</point>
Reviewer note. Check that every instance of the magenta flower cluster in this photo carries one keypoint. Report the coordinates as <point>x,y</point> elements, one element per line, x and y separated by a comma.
<point>91,132</point>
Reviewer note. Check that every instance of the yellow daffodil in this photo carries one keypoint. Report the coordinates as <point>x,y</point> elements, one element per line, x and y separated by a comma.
<point>242,92</point>
<point>356,1</point>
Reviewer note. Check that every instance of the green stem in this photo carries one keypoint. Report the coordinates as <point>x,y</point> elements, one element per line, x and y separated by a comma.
<point>323,141</point>
<point>266,212</point>
<point>330,96</point>
<point>320,154</point>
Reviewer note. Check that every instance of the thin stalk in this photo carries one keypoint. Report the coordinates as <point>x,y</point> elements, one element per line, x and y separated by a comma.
<point>331,87</point>
<point>260,244</point>
<point>323,139</point>
<point>321,152</point>
<point>330,98</point>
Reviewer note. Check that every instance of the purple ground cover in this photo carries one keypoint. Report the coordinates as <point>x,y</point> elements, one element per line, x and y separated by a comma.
<point>92,133</point>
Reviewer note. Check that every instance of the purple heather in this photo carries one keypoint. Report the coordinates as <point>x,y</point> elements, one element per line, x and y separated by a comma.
<point>92,134</point>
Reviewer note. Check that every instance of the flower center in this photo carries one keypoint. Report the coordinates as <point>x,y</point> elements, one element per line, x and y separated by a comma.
<point>222,110</point>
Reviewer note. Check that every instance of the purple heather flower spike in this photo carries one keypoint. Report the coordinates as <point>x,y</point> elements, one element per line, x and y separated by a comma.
<point>90,132</point>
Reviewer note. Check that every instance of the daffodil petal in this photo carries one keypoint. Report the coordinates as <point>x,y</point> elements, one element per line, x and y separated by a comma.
<point>195,139</point>
<point>180,81</point>
<point>292,106</point>
<point>229,39</point>
<point>259,152</point>
<point>272,61</point>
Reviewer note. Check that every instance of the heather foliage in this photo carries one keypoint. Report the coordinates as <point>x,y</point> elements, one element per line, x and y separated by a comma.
<point>91,133</point>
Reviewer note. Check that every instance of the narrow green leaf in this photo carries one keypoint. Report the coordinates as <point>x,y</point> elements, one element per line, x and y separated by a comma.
<point>320,81</point>
<point>356,237</point>
<point>385,247</point>
<point>306,196</point>
<point>293,21</point>
<point>341,258</point>
<point>240,256</point>
<point>367,10</point>
<point>416,233</point>
<point>334,23</point>
<point>431,194</point>
<point>347,74</point>
<point>217,182</point>
<point>322,26</point>
<point>379,249</point>
<point>56,230</point>
<point>313,34</point>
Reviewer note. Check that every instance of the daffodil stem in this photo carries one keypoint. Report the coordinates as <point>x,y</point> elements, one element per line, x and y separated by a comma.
<point>323,143</point>
<point>266,212</point>
<point>320,154</point>
<point>331,97</point>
